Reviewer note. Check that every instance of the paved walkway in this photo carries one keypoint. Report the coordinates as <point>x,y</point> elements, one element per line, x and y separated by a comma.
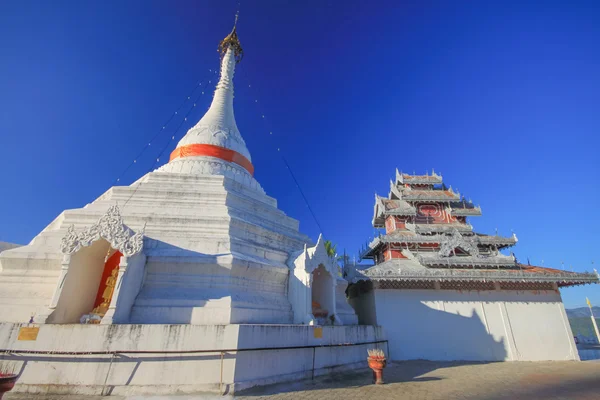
<point>425,380</point>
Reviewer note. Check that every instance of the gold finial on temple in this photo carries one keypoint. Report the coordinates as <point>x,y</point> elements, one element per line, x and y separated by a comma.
<point>232,41</point>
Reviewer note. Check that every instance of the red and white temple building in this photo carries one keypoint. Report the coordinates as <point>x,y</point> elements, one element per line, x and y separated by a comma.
<point>445,292</point>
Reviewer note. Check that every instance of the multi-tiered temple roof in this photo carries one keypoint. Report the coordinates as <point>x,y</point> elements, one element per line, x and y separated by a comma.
<point>428,242</point>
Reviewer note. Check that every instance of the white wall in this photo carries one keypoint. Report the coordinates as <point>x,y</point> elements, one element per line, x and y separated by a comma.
<point>160,373</point>
<point>300,296</point>
<point>482,326</point>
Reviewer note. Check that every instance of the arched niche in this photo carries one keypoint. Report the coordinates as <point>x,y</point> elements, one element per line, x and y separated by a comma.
<point>82,280</point>
<point>84,257</point>
<point>322,295</point>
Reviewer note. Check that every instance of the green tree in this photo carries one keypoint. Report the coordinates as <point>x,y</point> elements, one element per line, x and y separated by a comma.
<point>330,247</point>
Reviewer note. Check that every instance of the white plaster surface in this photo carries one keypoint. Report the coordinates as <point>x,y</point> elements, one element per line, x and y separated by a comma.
<point>216,253</point>
<point>477,326</point>
<point>159,373</point>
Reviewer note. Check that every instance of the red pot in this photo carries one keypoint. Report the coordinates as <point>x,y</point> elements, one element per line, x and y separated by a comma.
<point>377,365</point>
<point>7,382</point>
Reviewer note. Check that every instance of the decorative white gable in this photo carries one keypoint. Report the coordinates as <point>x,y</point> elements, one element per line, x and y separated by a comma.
<point>84,255</point>
<point>109,227</point>
<point>312,286</point>
<point>313,257</point>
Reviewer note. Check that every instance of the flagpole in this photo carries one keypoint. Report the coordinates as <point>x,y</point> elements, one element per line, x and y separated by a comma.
<point>593,319</point>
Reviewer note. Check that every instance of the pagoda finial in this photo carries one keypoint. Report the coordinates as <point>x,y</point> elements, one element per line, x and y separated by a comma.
<point>214,146</point>
<point>232,41</point>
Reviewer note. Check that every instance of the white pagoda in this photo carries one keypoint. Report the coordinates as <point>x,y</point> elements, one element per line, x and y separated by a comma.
<point>191,257</point>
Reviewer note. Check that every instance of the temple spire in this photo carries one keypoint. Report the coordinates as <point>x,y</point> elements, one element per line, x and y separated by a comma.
<point>216,137</point>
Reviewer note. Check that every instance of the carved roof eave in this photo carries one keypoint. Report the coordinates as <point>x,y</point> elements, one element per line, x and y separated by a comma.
<point>394,191</point>
<point>445,275</point>
<point>404,208</point>
<point>497,241</point>
<point>465,212</point>
<point>432,179</point>
<point>110,227</point>
<point>378,212</point>
<point>371,247</point>
<point>402,213</point>
<point>468,261</point>
<point>423,197</point>
<point>435,228</point>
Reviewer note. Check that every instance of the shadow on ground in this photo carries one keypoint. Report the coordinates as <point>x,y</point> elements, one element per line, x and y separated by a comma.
<point>394,373</point>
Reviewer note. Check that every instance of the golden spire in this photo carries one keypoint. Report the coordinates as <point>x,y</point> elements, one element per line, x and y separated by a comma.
<point>232,41</point>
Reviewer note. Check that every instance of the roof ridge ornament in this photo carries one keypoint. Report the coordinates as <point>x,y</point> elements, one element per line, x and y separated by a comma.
<point>232,41</point>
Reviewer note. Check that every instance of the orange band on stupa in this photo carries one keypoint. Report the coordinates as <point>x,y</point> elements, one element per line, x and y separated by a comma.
<point>209,150</point>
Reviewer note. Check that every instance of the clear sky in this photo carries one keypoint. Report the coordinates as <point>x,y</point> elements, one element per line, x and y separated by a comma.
<point>500,97</point>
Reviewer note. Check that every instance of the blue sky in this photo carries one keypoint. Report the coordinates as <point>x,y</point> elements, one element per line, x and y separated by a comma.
<point>501,97</point>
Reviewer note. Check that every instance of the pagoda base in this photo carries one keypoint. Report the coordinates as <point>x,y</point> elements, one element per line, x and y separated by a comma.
<point>168,358</point>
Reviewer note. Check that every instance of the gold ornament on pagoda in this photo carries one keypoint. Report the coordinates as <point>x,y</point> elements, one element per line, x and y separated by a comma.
<point>232,41</point>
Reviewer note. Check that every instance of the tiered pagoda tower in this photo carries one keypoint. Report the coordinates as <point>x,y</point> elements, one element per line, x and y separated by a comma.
<point>427,235</point>
<point>445,292</point>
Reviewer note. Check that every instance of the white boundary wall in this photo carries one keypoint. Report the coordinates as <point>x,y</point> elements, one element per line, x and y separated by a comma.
<point>478,326</point>
<point>161,373</point>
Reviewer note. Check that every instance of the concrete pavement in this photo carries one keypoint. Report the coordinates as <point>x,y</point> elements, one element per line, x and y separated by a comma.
<point>424,380</point>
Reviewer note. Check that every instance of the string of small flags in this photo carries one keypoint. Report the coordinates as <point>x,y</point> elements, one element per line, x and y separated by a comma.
<point>161,130</point>
<point>287,165</point>
<point>166,124</point>
<point>173,135</point>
